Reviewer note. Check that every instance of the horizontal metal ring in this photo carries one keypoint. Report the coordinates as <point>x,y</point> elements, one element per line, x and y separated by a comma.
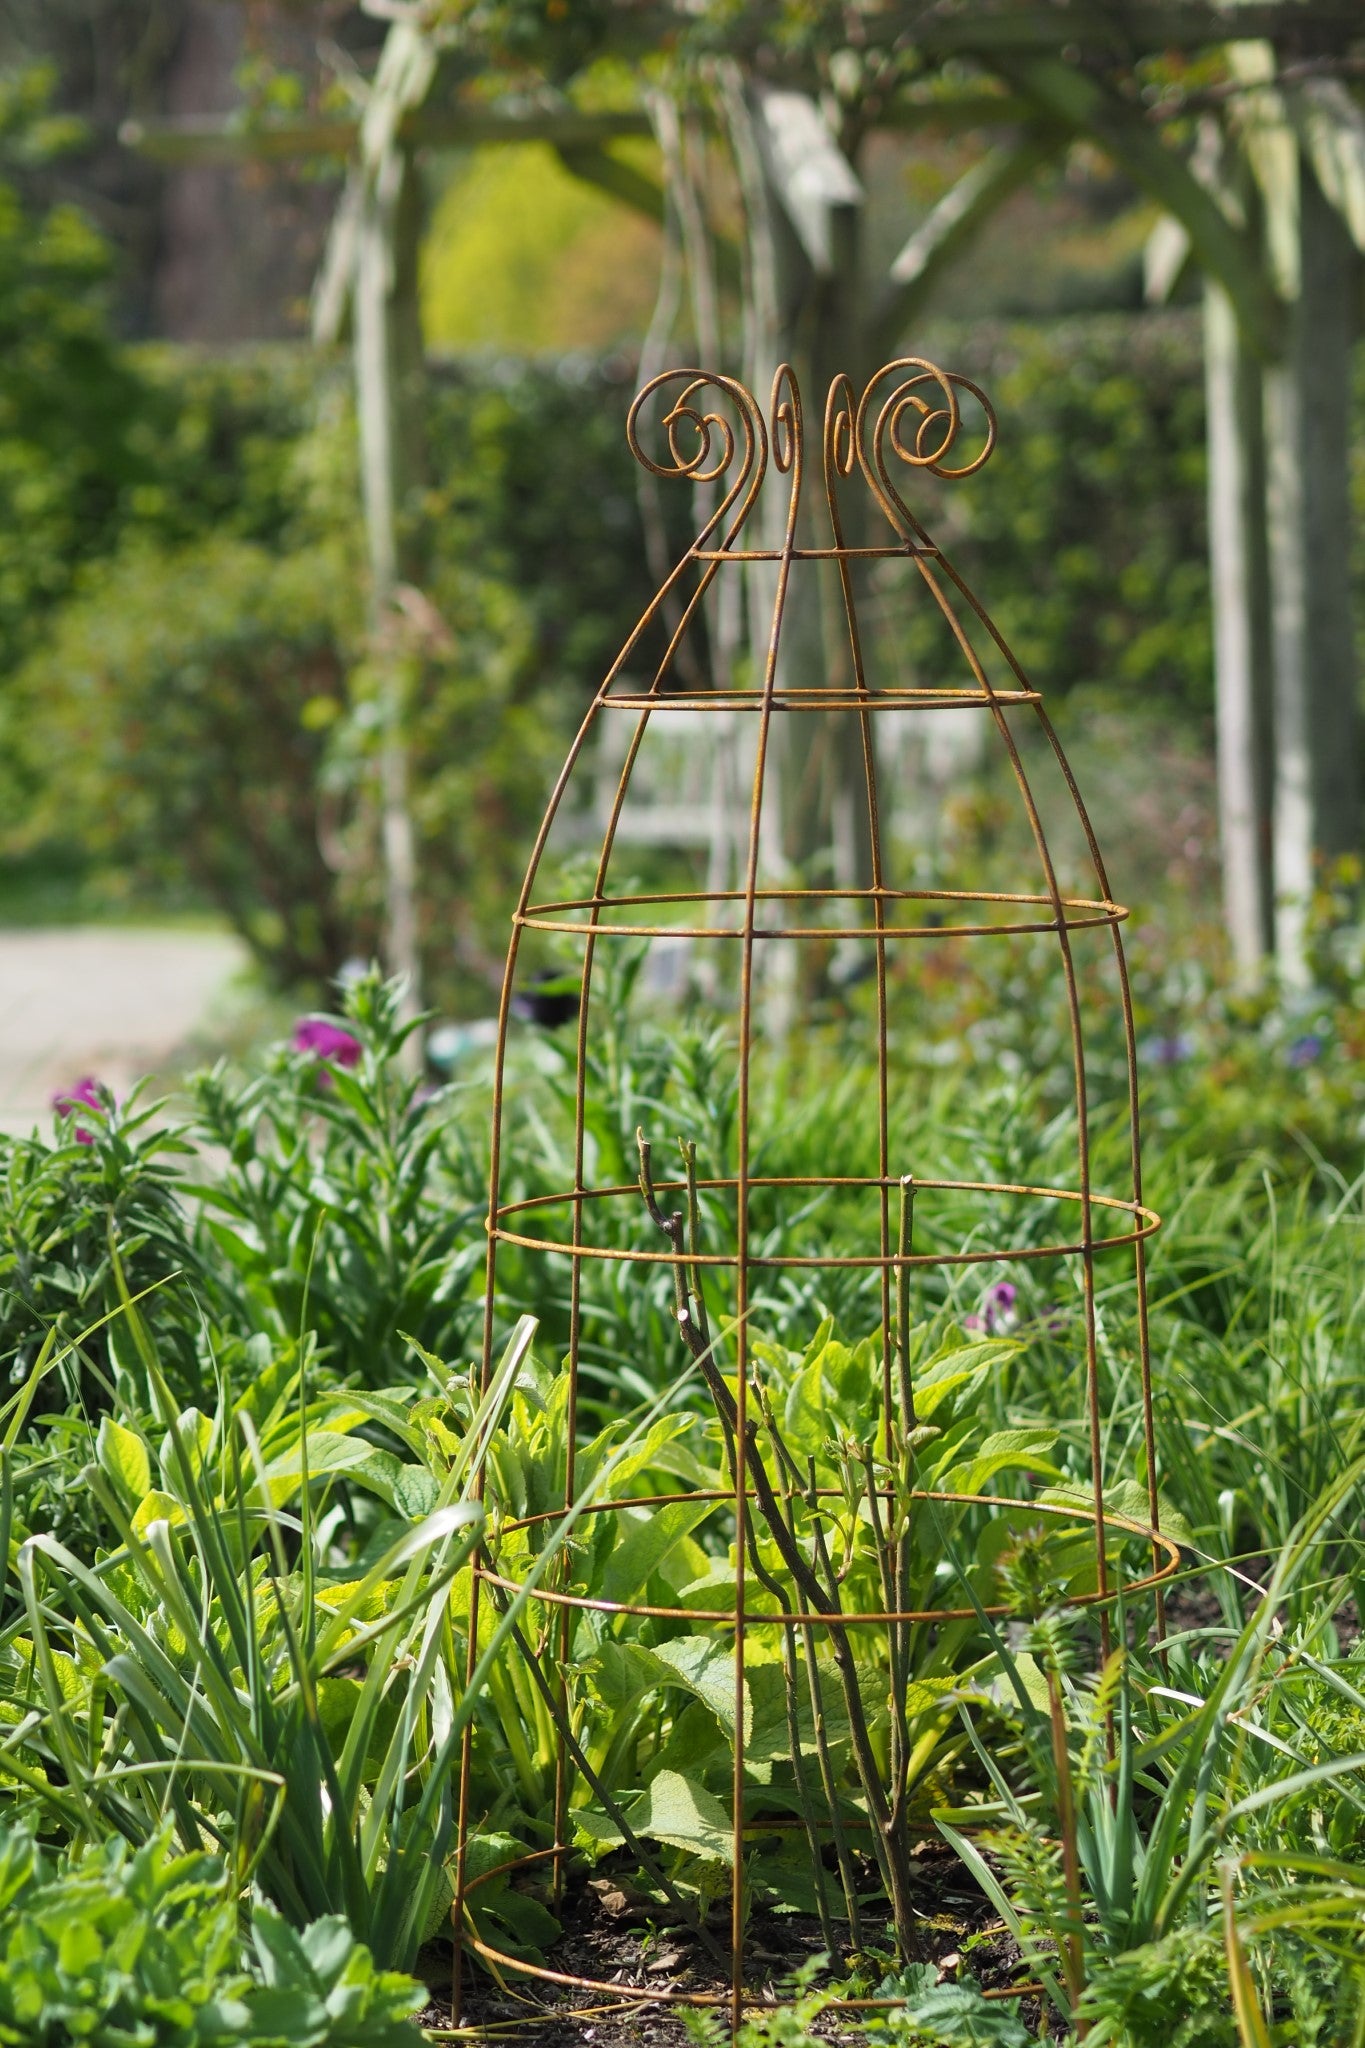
<point>929,1616</point>
<point>1147,1222</point>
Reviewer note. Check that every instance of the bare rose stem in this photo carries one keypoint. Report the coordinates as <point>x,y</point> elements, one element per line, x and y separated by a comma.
<point>820,1588</point>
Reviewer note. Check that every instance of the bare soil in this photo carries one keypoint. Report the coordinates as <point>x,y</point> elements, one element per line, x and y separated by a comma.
<point>614,1935</point>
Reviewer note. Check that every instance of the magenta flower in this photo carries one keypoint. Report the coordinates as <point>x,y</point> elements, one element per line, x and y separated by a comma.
<point>87,1094</point>
<point>326,1041</point>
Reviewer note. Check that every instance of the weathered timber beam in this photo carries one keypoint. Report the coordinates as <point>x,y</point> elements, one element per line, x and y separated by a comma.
<point>950,28</point>
<point>609,173</point>
<point>809,172</point>
<point>1140,28</point>
<point>1331,126</point>
<point>953,225</point>
<point>1082,103</point>
<point>222,138</point>
<point>216,138</point>
<point>633,188</point>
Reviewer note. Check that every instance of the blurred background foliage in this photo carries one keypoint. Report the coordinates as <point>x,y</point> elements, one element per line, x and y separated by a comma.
<point>189,702</point>
<point>518,251</point>
<point>188,714</point>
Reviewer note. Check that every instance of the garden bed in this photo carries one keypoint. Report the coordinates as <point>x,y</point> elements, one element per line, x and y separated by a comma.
<point>615,1934</point>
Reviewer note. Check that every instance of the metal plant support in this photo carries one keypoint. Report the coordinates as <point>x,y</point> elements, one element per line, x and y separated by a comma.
<point>700,1220</point>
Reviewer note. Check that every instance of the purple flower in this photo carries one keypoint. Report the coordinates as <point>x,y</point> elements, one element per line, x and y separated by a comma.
<point>87,1094</point>
<point>997,1314</point>
<point>326,1041</point>
<point>1171,1049</point>
<point>1304,1050</point>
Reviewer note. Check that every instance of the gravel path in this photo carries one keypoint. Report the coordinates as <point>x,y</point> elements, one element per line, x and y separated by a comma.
<point>114,1002</point>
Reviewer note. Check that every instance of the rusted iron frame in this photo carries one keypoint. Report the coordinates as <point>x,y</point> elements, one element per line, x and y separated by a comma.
<point>846,444</point>
<point>823,1618</point>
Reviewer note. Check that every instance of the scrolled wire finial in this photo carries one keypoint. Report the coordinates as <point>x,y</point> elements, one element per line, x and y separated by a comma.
<point>787,422</point>
<point>841,441</point>
<point>920,422</point>
<point>839,445</point>
<point>716,443</point>
<point>788,438</point>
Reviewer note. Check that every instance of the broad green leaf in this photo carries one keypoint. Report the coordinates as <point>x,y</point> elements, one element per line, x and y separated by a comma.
<point>534,1926</point>
<point>485,1850</point>
<point>805,1419</point>
<point>957,2014</point>
<point>952,1370</point>
<point>415,1492</point>
<point>646,1540</point>
<point>1125,1497</point>
<point>1020,1450</point>
<point>672,1809</point>
<point>770,1740</point>
<point>379,1471</point>
<point>186,1442</point>
<point>157,1507</point>
<point>707,1668</point>
<point>622,1672</point>
<point>123,1455</point>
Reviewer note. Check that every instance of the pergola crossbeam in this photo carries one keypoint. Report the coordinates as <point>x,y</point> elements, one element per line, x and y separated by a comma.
<point>210,139</point>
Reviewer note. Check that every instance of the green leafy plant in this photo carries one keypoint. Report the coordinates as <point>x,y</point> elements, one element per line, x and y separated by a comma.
<point>346,1205</point>
<point>1105,1867</point>
<point>302,1718</point>
<point>951,2012</point>
<point>349,1200</point>
<point>142,1946</point>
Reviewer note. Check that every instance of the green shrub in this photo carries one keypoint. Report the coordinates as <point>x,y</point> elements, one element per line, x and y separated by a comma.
<point>346,1205</point>
<point>1084,535</point>
<point>127,1948</point>
<point>68,394</point>
<point>186,698</point>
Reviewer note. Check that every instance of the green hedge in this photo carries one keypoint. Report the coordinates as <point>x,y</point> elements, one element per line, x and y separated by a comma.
<point>1085,533</point>
<point>199,719</point>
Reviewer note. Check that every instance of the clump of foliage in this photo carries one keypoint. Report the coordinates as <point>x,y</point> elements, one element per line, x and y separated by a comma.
<point>197,692</point>
<point>67,391</point>
<point>238,1519</point>
<point>1086,529</point>
<point>213,700</point>
<point>345,1209</point>
<point>122,1946</point>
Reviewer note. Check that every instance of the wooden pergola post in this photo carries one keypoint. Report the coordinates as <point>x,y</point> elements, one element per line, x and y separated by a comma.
<point>1307,433</point>
<point>1278,504</point>
<point>1242,656</point>
<point>388,368</point>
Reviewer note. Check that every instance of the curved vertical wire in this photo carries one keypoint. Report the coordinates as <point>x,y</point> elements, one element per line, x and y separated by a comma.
<point>933,458</point>
<point>742,493</point>
<point>1130,1061</point>
<point>1134,1159</point>
<point>787,457</point>
<point>750,475</point>
<point>840,460</point>
<point>1130,1058</point>
<point>741,496</point>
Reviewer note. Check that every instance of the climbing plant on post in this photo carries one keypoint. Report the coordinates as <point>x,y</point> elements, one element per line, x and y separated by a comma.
<point>795,90</point>
<point>371,273</point>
